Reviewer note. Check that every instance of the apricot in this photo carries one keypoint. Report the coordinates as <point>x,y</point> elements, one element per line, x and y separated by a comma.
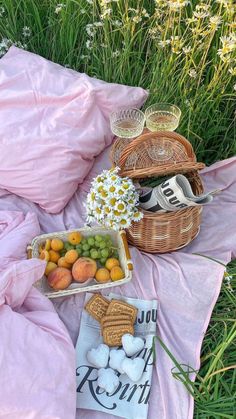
<point>102,275</point>
<point>83,269</point>
<point>57,244</point>
<point>54,256</point>
<point>111,262</point>
<point>71,256</point>
<point>50,267</point>
<point>117,273</point>
<point>44,255</point>
<point>74,238</point>
<point>47,245</point>
<point>63,263</point>
<point>59,278</point>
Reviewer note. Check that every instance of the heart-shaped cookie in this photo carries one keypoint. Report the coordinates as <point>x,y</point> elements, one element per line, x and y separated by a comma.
<point>133,368</point>
<point>131,344</point>
<point>108,380</point>
<point>98,357</point>
<point>116,358</point>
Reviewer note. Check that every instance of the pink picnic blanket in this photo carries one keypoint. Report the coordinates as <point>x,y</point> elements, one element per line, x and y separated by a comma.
<point>37,377</point>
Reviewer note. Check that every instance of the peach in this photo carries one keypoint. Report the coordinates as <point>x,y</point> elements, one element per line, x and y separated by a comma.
<point>59,278</point>
<point>83,269</point>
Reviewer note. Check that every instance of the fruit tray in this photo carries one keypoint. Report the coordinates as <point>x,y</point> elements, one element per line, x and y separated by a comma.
<point>119,241</point>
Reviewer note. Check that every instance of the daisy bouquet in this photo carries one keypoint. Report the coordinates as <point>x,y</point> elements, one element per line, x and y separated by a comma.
<point>113,201</point>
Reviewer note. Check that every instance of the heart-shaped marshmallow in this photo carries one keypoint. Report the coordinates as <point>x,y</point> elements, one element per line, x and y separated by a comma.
<point>116,358</point>
<point>132,345</point>
<point>99,356</point>
<point>133,368</point>
<point>108,380</point>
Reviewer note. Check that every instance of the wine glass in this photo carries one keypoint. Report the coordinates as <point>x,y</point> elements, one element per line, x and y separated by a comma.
<point>127,123</point>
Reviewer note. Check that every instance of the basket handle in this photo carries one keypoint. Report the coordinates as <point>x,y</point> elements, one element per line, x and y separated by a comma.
<point>143,138</point>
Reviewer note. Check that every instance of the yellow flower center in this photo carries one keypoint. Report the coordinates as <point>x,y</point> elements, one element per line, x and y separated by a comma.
<point>120,207</point>
<point>112,189</point>
<point>100,189</point>
<point>93,196</point>
<point>120,192</point>
<point>112,201</point>
<point>103,194</point>
<point>125,186</point>
<point>107,210</point>
<point>117,213</point>
<point>123,222</point>
<point>98,211</point>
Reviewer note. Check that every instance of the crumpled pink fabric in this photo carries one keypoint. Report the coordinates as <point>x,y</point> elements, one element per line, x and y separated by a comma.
<point>53,122</point>
<point>37,358</point>
<point>186,286</point>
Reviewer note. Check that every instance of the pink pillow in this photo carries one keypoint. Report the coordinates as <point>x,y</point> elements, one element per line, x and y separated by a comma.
<point>53,122</point>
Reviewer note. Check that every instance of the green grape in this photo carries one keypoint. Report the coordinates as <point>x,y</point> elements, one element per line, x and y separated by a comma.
<point>83,241</point>
<point>109,243</point>
<point>86,254</point>
<point>86,247</point>
<point>79,251</point>
<point>98,238</point>
<point>105,253</point>
<point>103,261</point>
<point>94,254</point>
<point>68,246</point>
<point>78,247</point>
<point>102,245</point>
<point>107,237</point>
<point>91,241</point>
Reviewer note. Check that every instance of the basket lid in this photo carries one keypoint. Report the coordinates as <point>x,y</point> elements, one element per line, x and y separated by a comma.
<point>155,154</point>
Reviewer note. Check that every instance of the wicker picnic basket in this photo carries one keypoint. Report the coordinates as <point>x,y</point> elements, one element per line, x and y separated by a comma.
<point>138,159</point>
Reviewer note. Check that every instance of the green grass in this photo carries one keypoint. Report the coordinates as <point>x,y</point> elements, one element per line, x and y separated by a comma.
<point>196,71</point>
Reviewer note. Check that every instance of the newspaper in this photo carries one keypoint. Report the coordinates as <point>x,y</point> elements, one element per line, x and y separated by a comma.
<point>129,400</point>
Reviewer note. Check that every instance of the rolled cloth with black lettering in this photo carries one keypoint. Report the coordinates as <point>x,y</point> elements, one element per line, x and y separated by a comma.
<point>173,194</point>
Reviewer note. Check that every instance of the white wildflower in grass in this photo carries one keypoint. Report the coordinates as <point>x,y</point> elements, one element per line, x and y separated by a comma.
<point>2,11</point>
<point>232,70</point>
<point>145,13</point>
<point>90,29</point>
<point>228,46</point>
<point>26,31</point>
<point>84,57</point>
<point>177,5</point>
<point>187,50</point>
<point>192,73</point>
<point>115,53</point>
<point>5,45</point>
<point>105,14</point>
<point>98,24</point>
<point>117,23</point>
<point>137,19</point>
<point>103,45</point>
<point>164,43</point>
<point>88,44</point>
<point>83,11</point>
<point>59,8</point>
<point>215,22</point>
<point>235,87</point>
<point>113,201</point>
<point>89,1</point>
<point>154,33</point>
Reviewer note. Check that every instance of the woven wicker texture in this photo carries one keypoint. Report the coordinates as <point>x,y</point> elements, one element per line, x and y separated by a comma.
<point>165,232</point>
